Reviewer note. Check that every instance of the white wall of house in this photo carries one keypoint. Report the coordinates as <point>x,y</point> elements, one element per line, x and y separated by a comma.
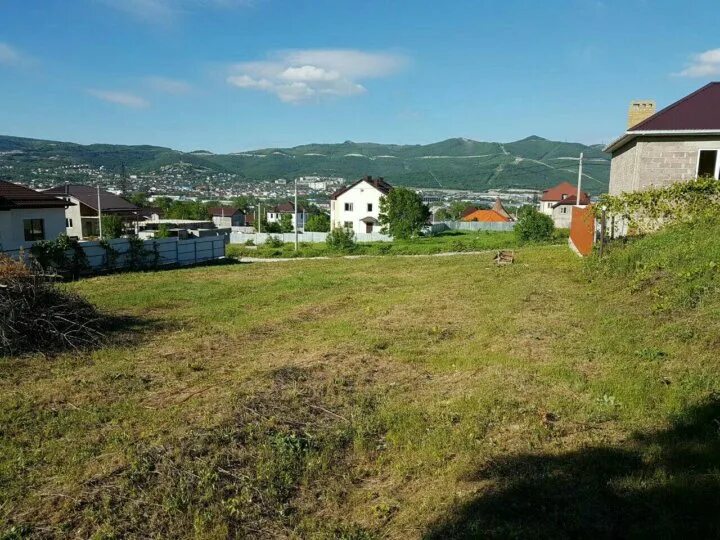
<point>546,207</point>
<point>12,226</point>
<point>299,221</point>
<point>235,220</point>
<point>350,208</point>
<point>562,215</point>
<point>73,219</point>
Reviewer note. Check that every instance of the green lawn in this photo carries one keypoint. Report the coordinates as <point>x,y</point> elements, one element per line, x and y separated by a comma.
<point>454,241</point>
<point>381,397</point>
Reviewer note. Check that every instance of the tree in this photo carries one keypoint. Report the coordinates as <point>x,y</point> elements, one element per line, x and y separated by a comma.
<point>402,213</point>
<point>188,210</point>
<point>163,231</point>
<point>533,226</point>
<point>341,239</point>
<point>318,223</point>
<point>269,227</point>
<point>457,209</point>
<point>164,203</point>
<point>286,223</point>
<point>112,226</point>
<point>139,199</point>
<point>443,215</point>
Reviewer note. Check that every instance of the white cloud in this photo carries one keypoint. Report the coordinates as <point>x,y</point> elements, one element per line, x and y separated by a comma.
<point>169,86</point>
<point>125,99</point>
<point>304,75</point>
<point>166,11</point>
<point>706,64</point>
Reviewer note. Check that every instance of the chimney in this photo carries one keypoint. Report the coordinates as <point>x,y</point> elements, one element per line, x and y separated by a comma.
<point>639,111</point>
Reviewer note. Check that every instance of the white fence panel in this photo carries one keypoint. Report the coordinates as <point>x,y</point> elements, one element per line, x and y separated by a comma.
<point>472,226</point>
<point>309,237</point>
<point>170,251</point>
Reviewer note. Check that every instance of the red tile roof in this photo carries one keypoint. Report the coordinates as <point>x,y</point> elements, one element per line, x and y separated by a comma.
<point>584,200</point>
<point>17,196</point>
<point>486,216</point>
<point>695,114</point>
<point>378,183</point>
<point>563,191</point>
<point>698,111</point>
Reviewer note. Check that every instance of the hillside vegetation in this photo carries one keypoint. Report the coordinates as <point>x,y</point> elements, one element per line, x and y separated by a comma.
<point>430,397</point>
<point>457,163</point>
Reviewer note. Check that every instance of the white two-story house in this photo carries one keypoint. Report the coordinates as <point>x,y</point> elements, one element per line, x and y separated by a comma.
<point>357,206</point>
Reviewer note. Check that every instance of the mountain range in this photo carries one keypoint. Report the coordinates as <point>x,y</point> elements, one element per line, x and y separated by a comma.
<point>458,163</point>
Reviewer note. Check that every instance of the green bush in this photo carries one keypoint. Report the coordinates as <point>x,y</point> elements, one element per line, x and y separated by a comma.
<point>53,255</point>
<point>533,226</point>
<point>341,239</point>
<point>112,226</point>
<point>318,223</point>
<point>273,242</point>
<point>678,266</point>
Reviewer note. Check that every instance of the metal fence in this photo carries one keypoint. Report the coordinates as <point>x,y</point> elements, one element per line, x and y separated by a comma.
<point>166,251</point>
<point>310,237</point>
<point>472,226</point>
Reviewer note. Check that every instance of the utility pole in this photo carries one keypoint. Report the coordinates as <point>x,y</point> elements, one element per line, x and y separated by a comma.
<point>123,180</point>
<point>99,211</point>
<point>295,217</point>
<point>580,163</point>
<point>258,218</point>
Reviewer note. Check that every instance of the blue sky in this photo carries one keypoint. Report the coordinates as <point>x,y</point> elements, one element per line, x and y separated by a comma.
<point>228,75</point>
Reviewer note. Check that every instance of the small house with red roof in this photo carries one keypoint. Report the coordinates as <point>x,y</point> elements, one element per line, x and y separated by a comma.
<point>678,143</point>
<point>557,202</point>
<point>496,214</point>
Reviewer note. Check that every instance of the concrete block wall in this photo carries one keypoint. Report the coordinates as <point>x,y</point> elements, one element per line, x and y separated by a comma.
<point>657,162</point>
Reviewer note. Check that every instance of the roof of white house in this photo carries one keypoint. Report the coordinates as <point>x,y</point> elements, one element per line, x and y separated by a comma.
<point>378,183</point>
<point>695,114</point>
<point>14,196</point>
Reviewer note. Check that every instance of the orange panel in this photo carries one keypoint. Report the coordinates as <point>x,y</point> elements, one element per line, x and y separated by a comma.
<point>582,229</point>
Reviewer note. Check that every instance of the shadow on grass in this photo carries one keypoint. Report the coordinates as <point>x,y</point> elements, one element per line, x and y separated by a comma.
<point>664,484</point>
<point>128,330</point>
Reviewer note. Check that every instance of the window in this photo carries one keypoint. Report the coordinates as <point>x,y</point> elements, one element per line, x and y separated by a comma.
<point>708,163</point>
<point>348,225</point>
<point>369,207</point>
<point>68,222</point>
<point>563,210</point>
<point>34,229</point>
<point>348,207</point>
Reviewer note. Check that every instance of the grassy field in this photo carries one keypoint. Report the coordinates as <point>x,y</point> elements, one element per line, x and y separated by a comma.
<point>454,241</point>
<point>382,398</point>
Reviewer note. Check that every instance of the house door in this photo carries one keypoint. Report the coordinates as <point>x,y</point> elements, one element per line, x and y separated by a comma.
<point>368,227</point>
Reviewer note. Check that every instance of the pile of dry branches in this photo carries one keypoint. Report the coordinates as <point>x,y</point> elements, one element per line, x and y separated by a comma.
<point>37,315</point>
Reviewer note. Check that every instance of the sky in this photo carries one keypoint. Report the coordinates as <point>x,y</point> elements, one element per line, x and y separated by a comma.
<point>232,75</point>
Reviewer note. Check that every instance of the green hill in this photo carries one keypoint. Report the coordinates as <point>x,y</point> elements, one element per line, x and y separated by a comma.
<point>456,163</point>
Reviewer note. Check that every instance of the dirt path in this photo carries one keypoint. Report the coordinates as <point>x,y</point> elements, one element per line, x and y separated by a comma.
<point>321,258</point>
